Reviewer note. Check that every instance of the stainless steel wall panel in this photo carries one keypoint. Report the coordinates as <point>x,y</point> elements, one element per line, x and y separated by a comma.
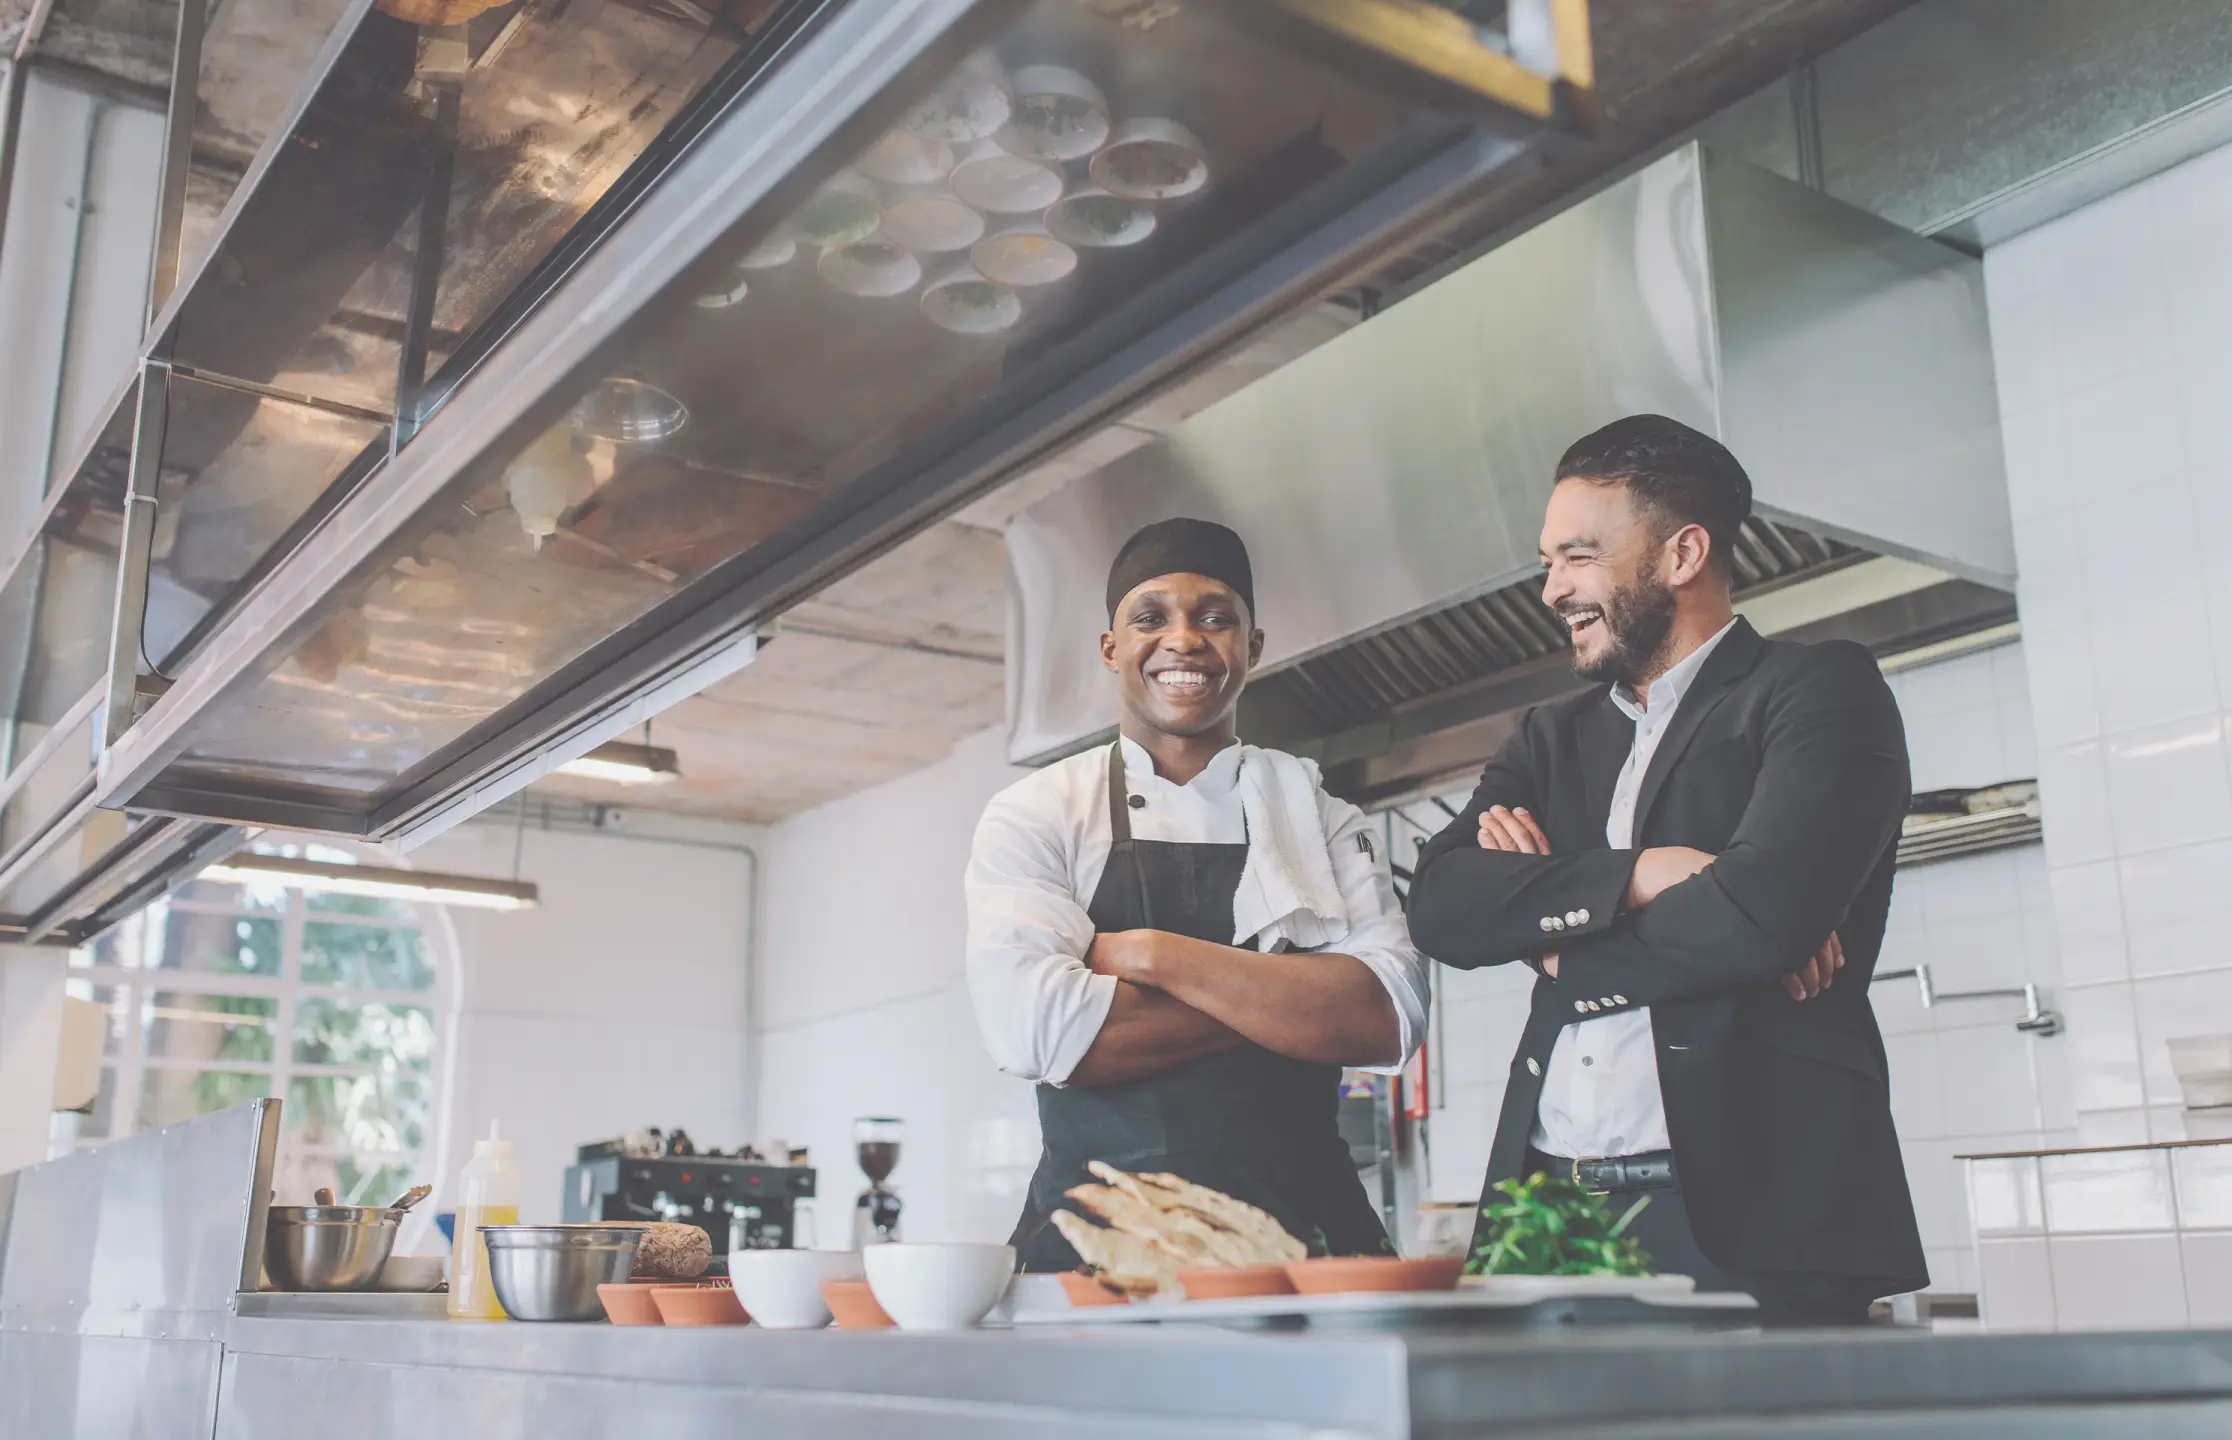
<point>1401,468</point>
<point>1394,469</point>
<point>1856,375</point>
<point>101,1387</point>
<point>144,1236</point>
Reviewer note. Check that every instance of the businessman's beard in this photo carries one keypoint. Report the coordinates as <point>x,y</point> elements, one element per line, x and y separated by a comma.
<point>1638,624</point>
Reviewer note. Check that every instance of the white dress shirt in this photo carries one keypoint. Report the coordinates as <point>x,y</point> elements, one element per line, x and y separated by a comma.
<point>1601,1095</point>
<point>1037,859</point>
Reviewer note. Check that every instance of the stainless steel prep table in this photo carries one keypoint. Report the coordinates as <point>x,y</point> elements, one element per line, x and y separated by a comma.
<point>356,1380</point>
<point>119,1317</point>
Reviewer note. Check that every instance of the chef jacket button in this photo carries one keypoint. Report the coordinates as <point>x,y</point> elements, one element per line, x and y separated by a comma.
<point>1548,924</point>
<point>1581,917</point>
<point>1138,802</point>
<point>1619,999</point>
<point>1582,1006</point>
<point>1534,1067</point>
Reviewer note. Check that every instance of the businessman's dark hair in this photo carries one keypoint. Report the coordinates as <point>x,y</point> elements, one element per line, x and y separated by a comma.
<point>1682,476</point>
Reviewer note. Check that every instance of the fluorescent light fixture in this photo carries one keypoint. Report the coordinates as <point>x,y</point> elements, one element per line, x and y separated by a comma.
<point>425,886</point>
<point>624,763</point>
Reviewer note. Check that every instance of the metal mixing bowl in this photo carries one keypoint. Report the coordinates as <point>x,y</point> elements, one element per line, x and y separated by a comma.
<point>551,1272</point>
<point>328,1247</point>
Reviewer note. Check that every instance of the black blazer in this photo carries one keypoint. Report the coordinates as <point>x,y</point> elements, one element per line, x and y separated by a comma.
<point>1789,763</point>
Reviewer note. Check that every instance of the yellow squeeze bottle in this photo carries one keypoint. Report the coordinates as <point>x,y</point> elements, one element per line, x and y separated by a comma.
<point>488,1194</point>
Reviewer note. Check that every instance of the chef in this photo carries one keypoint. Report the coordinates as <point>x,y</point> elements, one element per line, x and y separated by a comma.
<point>1182,938</point>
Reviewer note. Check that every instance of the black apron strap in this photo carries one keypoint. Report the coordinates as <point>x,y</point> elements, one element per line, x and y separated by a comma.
<point>1120,847</point>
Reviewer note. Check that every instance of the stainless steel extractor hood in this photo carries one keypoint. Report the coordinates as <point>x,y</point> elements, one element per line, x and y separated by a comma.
<point>1401,468</point>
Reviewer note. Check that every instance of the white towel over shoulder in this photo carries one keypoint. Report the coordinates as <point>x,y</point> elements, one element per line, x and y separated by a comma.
<point>1287,889</point>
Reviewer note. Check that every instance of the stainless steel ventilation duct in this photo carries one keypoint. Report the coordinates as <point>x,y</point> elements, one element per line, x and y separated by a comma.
<point>1401,468</point>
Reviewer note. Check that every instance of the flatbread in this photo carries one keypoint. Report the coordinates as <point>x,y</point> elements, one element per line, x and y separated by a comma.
<point>1267,1238</point>
<point>1193,1240</point>
<point>1131,1263</point>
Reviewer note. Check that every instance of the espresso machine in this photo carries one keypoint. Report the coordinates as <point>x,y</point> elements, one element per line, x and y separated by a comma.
<point>741,1201</point>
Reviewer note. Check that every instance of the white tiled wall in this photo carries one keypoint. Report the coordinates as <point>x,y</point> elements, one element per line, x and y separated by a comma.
<point>2108,331</point>
<point>861,1005</point>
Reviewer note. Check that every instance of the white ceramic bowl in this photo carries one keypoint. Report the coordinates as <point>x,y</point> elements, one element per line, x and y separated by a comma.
<point>938,1287</point>
<point>782,1289</point>
<point>1055,114</point>
<point>992,180</point>
<point>930,223</point>
<point>963,301</point>
<point>1150,158</point>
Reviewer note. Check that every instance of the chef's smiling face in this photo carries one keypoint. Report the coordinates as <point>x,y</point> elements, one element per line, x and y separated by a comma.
<point>1611,580</point>
<point>1181,648</point>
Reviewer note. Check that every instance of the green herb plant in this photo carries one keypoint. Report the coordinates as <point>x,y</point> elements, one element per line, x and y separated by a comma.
<point>1543,1226</point>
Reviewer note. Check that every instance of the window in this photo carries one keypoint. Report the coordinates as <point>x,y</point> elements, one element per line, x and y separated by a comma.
<point>224,993</point>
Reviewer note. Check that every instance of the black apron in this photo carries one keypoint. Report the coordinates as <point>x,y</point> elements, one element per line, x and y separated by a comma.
<point>1254,1124</point>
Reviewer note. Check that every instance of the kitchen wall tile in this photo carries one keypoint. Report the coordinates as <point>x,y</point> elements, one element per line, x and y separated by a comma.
<point>1458,1146</point>
<point>2018,739</point>
<point>2169,785</point>
<point>1917,1087</point>
<point>1984,953</point>
<point>2211,486</point>
<point>2122,434</point>
<point>2177,907</point>
<point>2004,1196</point>
<point>2166,1124</point>
<point>2073,796</point>
<point>2021,279</point>
<point>2112,1191</point>
<point>1989,1088</point>
<point>2207,1263</point>
<point>2014,1285</point>
<point>2203,1176</point>
<point>1958,749</point>
<point>2111,1127</point>
<point>1969,888</point>
<point>2051,591</point>
<point>2121,1282</point>
<point>2102,1042</point>
<point>2172,1006</point>
<point>2042,950</point>
<point>2149,636</point>
<point>2010,674</point>
<point>2036,456</point>
<point>2052,1067</point>
<point>1944,688</point>
<point>1940,1193</point>
<point>1952,1269</point>
<point>2089,922</point>
<point>2212,1123</point>
<point>2113,252</point>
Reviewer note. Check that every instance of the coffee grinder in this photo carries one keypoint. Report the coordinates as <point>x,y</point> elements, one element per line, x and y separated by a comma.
<point>876,1212</point>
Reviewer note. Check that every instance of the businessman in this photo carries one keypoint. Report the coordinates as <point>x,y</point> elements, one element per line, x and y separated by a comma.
<point>1695,857</point>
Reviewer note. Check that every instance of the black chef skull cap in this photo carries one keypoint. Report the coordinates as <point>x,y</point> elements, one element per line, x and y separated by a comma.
<point>1181,547</point>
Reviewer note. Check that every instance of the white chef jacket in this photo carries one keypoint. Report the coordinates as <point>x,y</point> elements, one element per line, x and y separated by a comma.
<point>1037,859</point>
<point>1601,1094</point>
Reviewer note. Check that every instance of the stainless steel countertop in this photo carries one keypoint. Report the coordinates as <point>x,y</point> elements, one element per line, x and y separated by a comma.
<point>1354,1384</point>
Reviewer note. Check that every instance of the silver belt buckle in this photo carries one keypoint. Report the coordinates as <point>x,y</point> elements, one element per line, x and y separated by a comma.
<point>1581,1160</point>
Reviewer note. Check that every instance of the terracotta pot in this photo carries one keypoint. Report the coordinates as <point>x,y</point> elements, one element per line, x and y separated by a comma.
<point>1234,1282</point>
<point>629,1303</point>
<point>854,1306</point>
<point>1342,1273</point>
<point>1084,1289</point>
<point>698,1305</point>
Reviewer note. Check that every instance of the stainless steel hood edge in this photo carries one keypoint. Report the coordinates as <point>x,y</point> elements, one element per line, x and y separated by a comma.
<point>744,155</point>
<point>1400,468</point>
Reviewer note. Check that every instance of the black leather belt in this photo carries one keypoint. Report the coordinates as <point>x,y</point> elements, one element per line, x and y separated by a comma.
<point>1612,1174</point>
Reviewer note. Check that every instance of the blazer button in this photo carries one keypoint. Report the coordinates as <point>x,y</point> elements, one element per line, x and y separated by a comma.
<point>1573,917</point>
<point>1619,999</point>
<point>1581,917</point>
<point>1534,1067</point>
<point>1548,924</point>
<point>1556,923</point>
<point>1592,1005</point>
<point>1582,1006</point>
